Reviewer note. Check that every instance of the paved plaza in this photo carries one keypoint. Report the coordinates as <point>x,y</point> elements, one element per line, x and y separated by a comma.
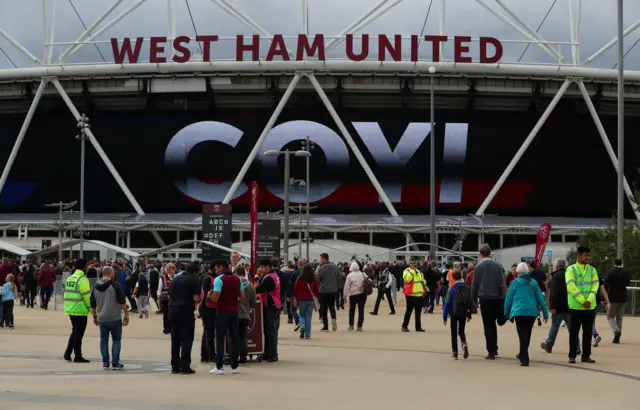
<point>374,369</point>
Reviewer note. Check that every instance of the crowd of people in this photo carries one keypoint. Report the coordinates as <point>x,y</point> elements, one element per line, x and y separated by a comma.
<point>224,296</point>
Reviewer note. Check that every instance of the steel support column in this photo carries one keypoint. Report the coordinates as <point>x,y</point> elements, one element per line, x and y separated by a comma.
<point>20,47</point>
<point>22,133</point>
<point>260,141</point>
<point>607,145</point>
<point>621,179</point>
<point>523,148</point>
<point>612,43</point>
<point>352,144</point>
<point>98,148</point>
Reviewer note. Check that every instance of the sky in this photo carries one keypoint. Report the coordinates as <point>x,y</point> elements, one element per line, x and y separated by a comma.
<point>23,20</point>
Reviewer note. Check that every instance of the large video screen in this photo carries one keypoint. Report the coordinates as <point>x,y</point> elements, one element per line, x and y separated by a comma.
<point>175,161</point>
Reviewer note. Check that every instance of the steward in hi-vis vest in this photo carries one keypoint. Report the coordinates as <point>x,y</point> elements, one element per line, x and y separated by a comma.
<point>77,303</point>
<point>582,286</point>
<point>415,288</point>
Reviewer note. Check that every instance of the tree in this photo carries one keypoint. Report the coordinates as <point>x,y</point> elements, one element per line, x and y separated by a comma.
<point>603,249</point>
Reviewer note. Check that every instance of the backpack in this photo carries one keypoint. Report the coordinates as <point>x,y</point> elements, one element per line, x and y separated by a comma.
<point>462,303</point>
<point>367,285</point>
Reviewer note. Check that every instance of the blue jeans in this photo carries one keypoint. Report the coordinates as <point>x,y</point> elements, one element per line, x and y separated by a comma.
<point>294,314</point>
<point>556,321</point>
<point>594,331</point>
<point>115,329</point>
<point>306,314</point>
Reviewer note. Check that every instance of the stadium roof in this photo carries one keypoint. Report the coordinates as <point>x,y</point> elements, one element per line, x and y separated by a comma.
<point>318,223</point>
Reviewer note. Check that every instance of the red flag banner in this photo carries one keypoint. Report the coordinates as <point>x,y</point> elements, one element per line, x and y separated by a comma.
<point>541,242</point>
<point>254,226</point>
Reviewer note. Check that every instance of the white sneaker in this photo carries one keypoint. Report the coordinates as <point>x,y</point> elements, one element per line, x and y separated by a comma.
<point>334,325</point>
<point>217,372</point>
<point>235,371</point>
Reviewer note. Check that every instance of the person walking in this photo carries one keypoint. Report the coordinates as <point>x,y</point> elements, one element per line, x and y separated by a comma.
<point>30,283</point>
<point>141,295</point>
<point>354,294</point>
<point>616,283</point>
<point>458,306</point>
<point>46,282</point>
<point>293,313</point>
<point>414,287</point>
<point>244,313</point>
<point>107,305</point>
<point>184,294</point>
<point>342,278</point>
<point>558,304</point>
<point>154,283</point>
<point>305,295</point>
<point>523,305</point>
<point>328,279</point>
<point>77,302</point>
<point>163,295</point>
<point>228,295</point>
<point>582,286</point>
<point>489,288</point>
<point>385,283</point>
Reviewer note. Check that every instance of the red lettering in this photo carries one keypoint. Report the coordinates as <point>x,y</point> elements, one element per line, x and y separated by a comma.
<point>119,53</point>
<point>206,46</point>
<point>310,50</point>
<point>178,46</point>
<point>414,47</point>
<point>384,46</point>
<point>484,41</point>
<point>156,48</point>
<point>277,48</point>
<point>364,48</point>
<point>435,50</point>
<point>460,46</point>
<point>254,47</point>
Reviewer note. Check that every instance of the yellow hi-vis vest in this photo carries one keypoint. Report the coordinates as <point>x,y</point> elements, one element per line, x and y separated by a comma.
<point>413,276</point>
<point>582,285</point>
<point>77,294</point>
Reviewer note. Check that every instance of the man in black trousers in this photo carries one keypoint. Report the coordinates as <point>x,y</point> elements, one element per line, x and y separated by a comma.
<point>385,280</point>
<point>490,288</point>
<point>184,293</point>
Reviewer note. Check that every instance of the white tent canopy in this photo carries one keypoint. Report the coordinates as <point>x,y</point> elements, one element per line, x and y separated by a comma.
<point>14,249</point>
<point>175,246</point>
<point>73,242</point>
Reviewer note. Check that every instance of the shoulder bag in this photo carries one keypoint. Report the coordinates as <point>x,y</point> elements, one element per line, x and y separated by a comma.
<point>316,305</point>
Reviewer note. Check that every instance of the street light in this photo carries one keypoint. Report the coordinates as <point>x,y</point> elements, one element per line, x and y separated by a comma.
<point>481,218</point>
<point>287,166</point>
<point>459,220</point>
<point>308,145</point>
<point>63,206</point>
<point>83,125</point>
<point>433,236</point>
<point>302,185</point>
<point>123,234</point>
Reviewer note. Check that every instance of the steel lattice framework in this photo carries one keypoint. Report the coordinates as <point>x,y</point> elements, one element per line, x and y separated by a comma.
<point>568,70</point>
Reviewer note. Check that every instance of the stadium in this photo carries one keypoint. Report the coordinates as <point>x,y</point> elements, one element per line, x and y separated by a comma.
<point>183,108</point>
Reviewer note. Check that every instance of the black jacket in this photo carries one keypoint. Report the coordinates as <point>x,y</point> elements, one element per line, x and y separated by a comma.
<point>616,284</point>
<point>558,299</point>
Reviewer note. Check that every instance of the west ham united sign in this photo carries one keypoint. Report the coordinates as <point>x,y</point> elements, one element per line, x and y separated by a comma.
<point>383,48</point>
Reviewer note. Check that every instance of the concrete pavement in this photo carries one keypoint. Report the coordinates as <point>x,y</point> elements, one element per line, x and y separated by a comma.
<point>378,368</point>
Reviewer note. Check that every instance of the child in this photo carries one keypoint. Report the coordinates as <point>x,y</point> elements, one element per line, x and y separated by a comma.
<point>141,293</point>
<point>8,292</point>
<point>459,306</point>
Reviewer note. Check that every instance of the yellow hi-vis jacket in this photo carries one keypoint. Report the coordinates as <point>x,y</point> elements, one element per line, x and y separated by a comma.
<point>77,294</point>
<point>582,285</point>
<point>413,277</point>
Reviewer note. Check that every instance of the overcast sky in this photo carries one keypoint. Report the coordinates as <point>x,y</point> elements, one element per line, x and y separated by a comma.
<point>23,20</point>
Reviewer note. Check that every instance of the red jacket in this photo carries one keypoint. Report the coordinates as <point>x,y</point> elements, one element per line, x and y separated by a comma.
<point>47,277</point>
<point>301,291</point>
<point>4,271</point>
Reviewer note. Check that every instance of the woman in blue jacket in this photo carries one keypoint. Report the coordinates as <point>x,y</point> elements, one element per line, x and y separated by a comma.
<point>523,304</point>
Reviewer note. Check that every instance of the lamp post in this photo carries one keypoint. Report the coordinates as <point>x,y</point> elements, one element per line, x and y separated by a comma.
<point>121,236</point>
<point>433,236</point>
<point>83,125</point>
<point>459,220</point>
<point>301,184</point>
<point>482,224</point>
<point>308,145</point>
<point>620,238</point>
<point>287,171</point>
<point>62,206</point>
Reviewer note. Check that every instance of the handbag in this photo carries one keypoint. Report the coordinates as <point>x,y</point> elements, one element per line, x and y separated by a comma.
<point>316,305</point>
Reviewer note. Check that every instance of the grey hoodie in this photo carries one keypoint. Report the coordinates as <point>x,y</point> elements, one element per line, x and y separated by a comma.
<point>249,299</point>
<point>106,298</point>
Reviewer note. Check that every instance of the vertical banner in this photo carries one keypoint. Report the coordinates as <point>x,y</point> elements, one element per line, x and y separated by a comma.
<point>216,228</point>
<point>541,242</point>
<point>268,239</point>
<point>254,227</point>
